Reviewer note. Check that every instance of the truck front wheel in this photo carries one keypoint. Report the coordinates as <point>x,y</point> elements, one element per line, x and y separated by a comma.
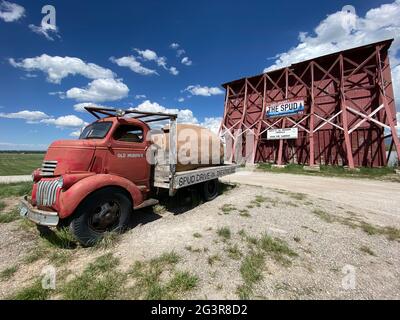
<point>106,210</point>
<point>210,189</point>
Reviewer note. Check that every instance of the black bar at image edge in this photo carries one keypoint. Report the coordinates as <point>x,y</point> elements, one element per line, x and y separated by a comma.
<point>188,309</point>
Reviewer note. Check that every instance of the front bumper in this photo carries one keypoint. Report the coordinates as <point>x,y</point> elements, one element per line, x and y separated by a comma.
<point>44,218</point>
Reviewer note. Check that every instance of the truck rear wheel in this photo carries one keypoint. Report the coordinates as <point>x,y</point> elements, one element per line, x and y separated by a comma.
<point>210,189</point>
<point>106,210</point>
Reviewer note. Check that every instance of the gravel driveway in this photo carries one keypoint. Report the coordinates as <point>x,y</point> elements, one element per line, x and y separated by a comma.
<point>325,238</point>
<point>380,196</point>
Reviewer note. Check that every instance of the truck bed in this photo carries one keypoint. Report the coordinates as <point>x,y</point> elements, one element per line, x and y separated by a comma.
<point>165,179</point>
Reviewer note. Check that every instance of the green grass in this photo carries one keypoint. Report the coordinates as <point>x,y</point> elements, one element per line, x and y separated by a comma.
<point>109,240</point>
<point>260,199</point>
<point>59,257</point>
<point>159,209</point>
<point>169,258</point>
<point>33,292</point>
<point>158,279</point>
<point>15,189</point>
<point>39,252</point>
<point>252,265</point>
<point>60,238</point>
<point>294,195</point>
<point>234,252</point>
<point>181,281</point>
<point>277,249</point>
<point>11,216</point>
<point>391,233</point>
<point>227,208</point>
<point>19,163</point>
<point>251,271</point>
<point>197,235</point>
<point>334,171</point>
<point>367,250</point>
<point>54,245</point>
<point>8,273</point>
<point>2,205</point>
<point>323,215</point>
<point>100,280</point>
<point>212,259</point>
<point>244,213</point>
<point>191,249</point>
<point>224,233</point>
<point>226,187</point>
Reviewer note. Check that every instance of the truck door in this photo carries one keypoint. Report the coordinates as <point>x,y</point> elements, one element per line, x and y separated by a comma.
<point>127,156</point>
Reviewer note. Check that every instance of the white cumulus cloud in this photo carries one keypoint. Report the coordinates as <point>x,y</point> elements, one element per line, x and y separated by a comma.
<point>132,63</point>
<point>69,121</point>
<point>174,45</point>
<point>10,11</point>
<point>212,123</point>
<point>27,115</point>
<point>179,51</point>
<point>135,63</point>
<point>184,115</point>
<point>343,30</point>
<point>140,96</point>
<point>46,30</point>
<point>186,61</point>
<point>173,71</point>
<point>150,55</point>
<point>100,90</point>
<point>58,68</point>
<point>76,133</point>
<point>205,91</point>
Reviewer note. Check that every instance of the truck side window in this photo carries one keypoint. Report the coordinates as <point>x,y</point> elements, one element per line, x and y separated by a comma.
<point>128,133</point>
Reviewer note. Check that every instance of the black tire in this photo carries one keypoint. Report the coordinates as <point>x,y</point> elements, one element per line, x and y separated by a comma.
<point>210,189</point>
<point>105,210</point>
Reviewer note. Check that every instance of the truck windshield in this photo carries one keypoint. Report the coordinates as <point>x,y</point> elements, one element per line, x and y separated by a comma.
<point>97,130</point>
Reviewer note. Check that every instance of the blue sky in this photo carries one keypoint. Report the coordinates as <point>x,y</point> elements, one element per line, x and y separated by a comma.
<point>120,54</point>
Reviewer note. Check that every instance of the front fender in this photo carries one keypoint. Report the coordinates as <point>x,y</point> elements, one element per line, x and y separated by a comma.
<point>69,200</point>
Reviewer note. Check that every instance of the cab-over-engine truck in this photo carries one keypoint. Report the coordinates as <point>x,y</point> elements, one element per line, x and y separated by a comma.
<point>92,185</point>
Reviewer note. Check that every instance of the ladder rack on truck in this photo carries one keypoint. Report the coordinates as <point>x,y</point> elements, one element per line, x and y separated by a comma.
<point>165,174</point>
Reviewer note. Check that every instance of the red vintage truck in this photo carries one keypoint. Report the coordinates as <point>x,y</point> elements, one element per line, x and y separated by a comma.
<point>95,183</point>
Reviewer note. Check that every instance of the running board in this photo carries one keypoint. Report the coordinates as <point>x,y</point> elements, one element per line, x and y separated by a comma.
<point>146,203</point>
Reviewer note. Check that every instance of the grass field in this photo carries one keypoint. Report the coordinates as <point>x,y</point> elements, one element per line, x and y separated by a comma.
<point>385,173</point>
<point>19,163</point>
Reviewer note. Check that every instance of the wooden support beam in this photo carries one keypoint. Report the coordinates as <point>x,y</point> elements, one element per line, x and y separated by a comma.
<point>259,126</point>
<point>382,92</point>
<point>225,109</point>
<point>312,110</point>
<point>345,120</point>
<point>281,142</point>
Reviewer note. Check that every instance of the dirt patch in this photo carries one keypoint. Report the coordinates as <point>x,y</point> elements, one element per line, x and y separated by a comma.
<point>304,255</point>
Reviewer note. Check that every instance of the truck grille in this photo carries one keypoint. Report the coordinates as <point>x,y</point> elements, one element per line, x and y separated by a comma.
<point>48,168</point>
<point>47,191</point>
